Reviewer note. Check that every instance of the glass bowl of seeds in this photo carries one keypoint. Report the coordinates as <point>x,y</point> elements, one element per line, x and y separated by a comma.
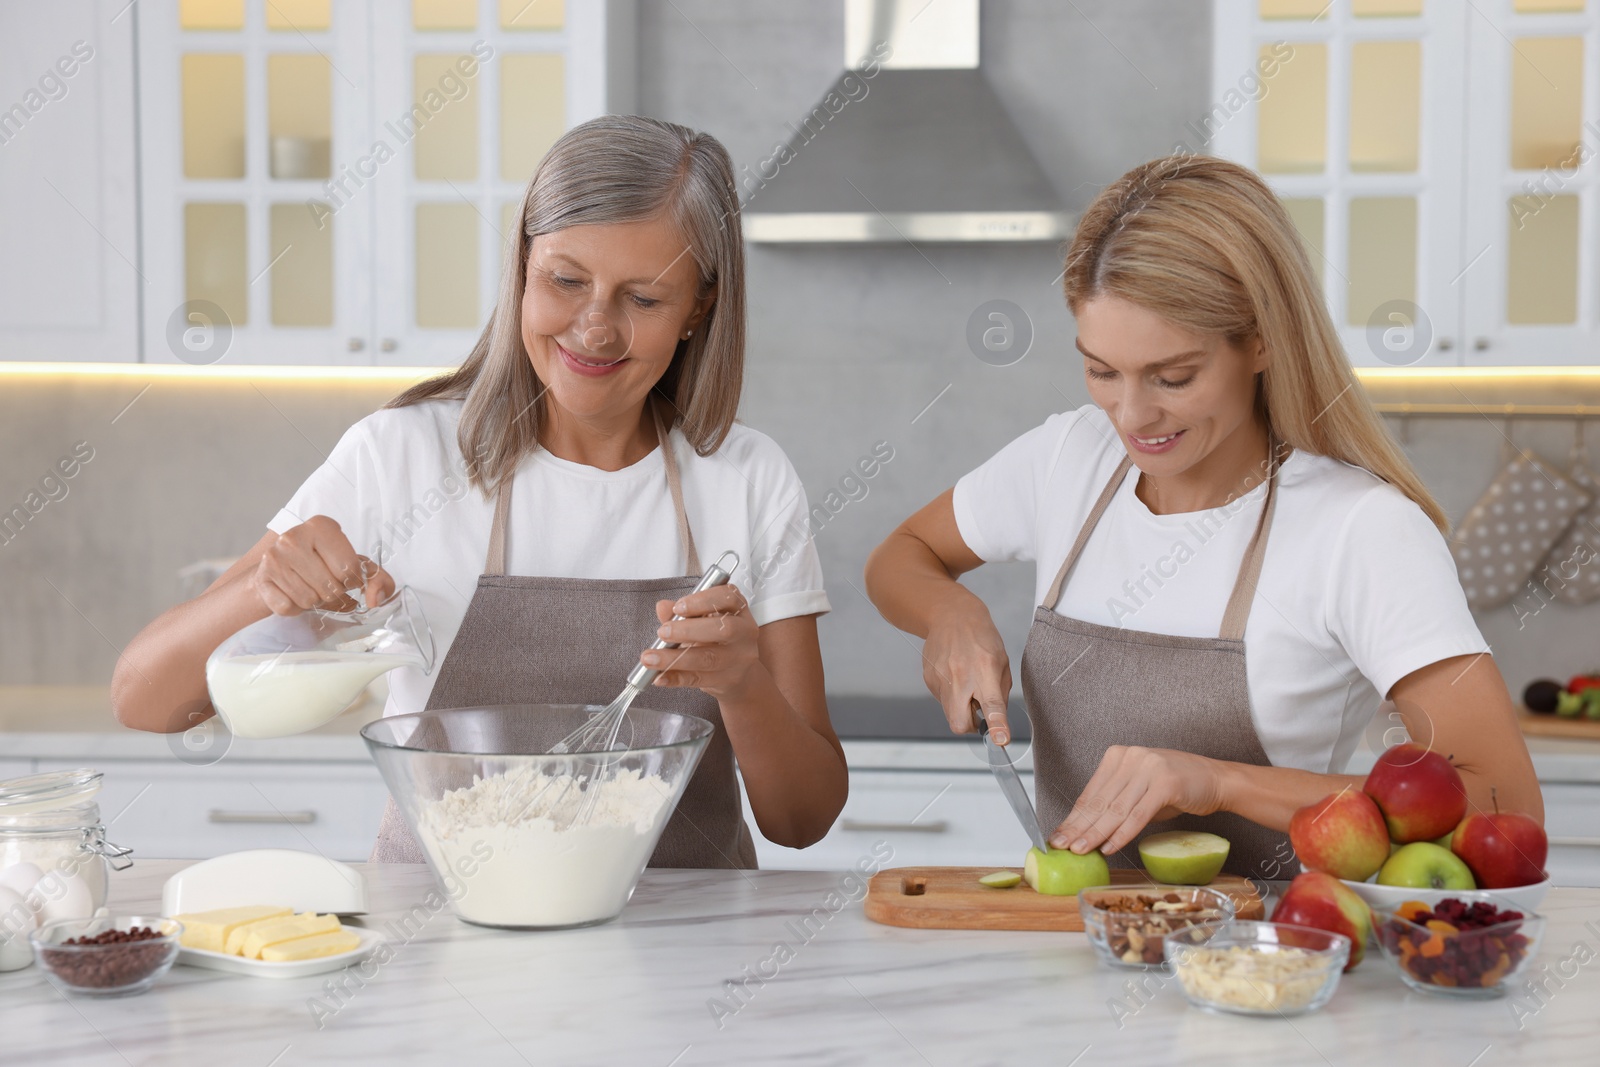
<point>107,956</point>
<point>1257,968</point>
<point>1127,925</point>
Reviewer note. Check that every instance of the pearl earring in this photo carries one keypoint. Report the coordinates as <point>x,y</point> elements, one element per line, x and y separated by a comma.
<point>688,335</point>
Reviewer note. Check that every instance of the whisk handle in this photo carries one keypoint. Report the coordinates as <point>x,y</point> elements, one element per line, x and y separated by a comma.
<point>717,574</point>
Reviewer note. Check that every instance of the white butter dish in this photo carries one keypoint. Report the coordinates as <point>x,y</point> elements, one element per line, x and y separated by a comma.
<point>220,961</point>
<point>284,877</point>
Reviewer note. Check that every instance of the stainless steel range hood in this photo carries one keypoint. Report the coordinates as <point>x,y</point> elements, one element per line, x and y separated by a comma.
<point>910,143</point>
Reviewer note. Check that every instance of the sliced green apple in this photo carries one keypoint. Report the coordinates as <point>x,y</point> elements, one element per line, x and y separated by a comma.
<point>1184,857</point>
<point>1001,879</point>
<point>1062,872</point>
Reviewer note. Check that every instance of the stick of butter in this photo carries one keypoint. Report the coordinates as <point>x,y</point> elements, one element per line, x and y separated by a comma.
<point>310,948</point>
<point>236,936</point>
<point>276,931</point>
<point>209,930</point>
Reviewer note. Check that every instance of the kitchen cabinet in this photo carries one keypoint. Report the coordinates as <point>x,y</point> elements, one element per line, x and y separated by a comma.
<point>164,808</point>
<point>929,818</point>
<point>1438,161</point>
<point>69,253</point>
<point>331,183</point>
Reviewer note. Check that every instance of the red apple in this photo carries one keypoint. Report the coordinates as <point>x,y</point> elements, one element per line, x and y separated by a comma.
<point>1343,834</point>
<point>1503,850</point>
<point>1318,899</point>
<point>1420,794</point>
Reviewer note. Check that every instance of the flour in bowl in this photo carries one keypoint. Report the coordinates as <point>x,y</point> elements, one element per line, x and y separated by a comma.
<point>545,867</point>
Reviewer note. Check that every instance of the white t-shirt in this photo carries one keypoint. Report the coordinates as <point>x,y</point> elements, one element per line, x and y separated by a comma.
<point>1357,590</point>
<point>396,479</point>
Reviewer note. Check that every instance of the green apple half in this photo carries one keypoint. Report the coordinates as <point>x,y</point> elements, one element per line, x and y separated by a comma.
<point>1424,865</point>
<point>1184,857</point>
<point>1062,872</point>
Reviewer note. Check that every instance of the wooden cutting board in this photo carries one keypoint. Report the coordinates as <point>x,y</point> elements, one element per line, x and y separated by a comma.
<point>1554,726</point>
<point>951,898</point>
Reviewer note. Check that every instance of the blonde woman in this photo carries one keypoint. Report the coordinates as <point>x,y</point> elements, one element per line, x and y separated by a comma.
<point>578,469</point>
<point>1235,564</point>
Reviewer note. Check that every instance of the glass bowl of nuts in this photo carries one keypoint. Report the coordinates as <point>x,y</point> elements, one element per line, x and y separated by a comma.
<point>1257,968</point>
<point>107,956</point>
<point>1127,924</point>
<point>1459,948</point>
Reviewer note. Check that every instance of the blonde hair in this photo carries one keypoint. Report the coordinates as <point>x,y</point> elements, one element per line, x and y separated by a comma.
<point>1206,245</point>
<point>617,168</point>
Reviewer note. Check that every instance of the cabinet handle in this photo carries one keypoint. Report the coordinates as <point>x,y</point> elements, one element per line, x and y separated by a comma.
<point>299,818</point>
<point>356,344</point>
<point>389,344</point>
<point>1575,842</point>
<point>1446,344</point>
<point>867,826</point>
<point>1481,344</point>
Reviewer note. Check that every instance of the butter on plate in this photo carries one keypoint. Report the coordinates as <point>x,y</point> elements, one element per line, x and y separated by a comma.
<point>274,932</point>
<point>210,930</point>
<point>313,947</point>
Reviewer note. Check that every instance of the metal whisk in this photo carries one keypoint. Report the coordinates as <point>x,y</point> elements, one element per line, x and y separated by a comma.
<point>600,732</point>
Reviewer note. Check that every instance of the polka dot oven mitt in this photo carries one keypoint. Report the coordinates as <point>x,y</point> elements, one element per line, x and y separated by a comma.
<point>1511,529</point>
<point>1571,571</point>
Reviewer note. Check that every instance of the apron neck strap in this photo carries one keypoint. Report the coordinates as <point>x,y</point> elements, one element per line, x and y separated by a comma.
<point>675,487</point>
<point>1244,586</point>
<point>496,561</point>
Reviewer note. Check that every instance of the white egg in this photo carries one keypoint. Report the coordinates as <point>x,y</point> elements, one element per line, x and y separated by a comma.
<point>20,877</point>
<point>16,922</point>
<point>64,896</point>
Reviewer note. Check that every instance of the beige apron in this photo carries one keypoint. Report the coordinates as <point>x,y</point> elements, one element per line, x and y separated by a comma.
<point>535,640</point>
<point>1089,686</point>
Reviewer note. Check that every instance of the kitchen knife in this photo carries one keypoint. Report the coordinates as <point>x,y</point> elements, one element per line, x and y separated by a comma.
<point>1005,772</point>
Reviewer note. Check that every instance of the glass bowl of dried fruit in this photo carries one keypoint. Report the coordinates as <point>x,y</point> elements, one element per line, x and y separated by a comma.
<point>106,956</point>
<point>1127,925</point>
<point>1459,948</point>
<point>1257,968</point>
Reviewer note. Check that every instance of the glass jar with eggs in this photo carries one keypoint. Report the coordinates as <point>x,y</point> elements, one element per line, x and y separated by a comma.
<point>54,856</point>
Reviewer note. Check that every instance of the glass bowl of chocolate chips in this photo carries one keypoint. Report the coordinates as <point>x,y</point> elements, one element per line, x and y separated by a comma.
<point>1128,925</point>
<point>109,955</point>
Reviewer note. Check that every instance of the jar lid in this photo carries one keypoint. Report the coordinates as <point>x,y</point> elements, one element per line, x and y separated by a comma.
<point>53,789</point>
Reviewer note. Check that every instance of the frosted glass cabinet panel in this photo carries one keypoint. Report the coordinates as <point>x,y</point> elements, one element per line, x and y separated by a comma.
<point>1441,163</point>
<point>327,182</point>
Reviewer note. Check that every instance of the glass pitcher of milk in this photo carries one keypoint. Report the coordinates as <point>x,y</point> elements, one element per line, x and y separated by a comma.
<point>287,674</point>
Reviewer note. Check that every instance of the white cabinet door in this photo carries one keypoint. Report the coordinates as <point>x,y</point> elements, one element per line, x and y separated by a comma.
<point>929,818</point>
<point>69,275</point>
<point>326,183</point>
<point>469,106</point>
<point>1531,228</point>
<point>1572,820</point>
<point>163,809</point>
<point>256,234</point>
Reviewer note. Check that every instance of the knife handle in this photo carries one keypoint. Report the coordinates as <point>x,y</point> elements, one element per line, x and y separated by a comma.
<point>979,719</point>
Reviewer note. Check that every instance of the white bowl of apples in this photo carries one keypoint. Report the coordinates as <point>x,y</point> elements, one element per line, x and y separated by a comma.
<point>1407,835</point>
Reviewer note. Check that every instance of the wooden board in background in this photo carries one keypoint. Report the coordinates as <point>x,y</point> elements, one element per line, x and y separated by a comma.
<point>1535,725</point>
<point>952,898</point>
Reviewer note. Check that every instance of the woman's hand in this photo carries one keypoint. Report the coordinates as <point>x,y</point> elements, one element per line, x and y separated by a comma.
<point>1134,787</point>
<point>312,566</point>
<point>718,639</point>
<point>964,662</point>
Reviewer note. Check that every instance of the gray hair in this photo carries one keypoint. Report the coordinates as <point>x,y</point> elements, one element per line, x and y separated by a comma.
<point>613,169</point>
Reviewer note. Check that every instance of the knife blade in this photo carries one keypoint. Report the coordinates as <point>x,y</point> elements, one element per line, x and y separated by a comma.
<point>1005,773</point>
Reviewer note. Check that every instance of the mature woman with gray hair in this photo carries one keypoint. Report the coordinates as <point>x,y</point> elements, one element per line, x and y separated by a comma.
<point>573,468</point>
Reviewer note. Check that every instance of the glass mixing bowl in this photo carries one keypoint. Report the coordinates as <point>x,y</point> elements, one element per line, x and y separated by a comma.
<point>523,839</point>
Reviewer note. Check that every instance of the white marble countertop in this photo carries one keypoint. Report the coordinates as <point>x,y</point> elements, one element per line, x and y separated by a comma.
<point>640,991</point>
